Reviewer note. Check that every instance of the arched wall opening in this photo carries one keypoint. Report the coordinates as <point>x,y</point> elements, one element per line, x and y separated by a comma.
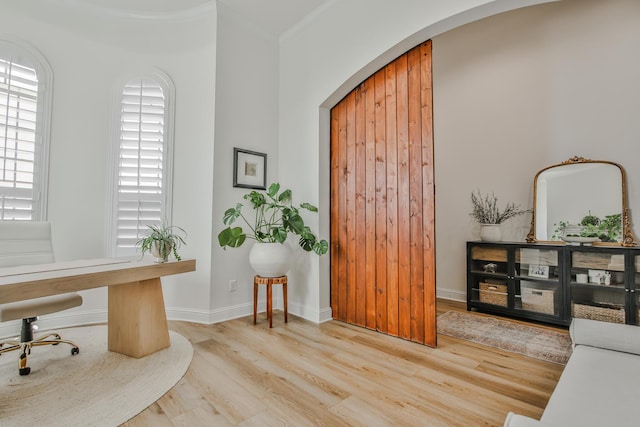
<point>428,32</point>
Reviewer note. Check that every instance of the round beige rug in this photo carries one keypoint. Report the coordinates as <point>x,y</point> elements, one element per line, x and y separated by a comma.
<point>94,388</point>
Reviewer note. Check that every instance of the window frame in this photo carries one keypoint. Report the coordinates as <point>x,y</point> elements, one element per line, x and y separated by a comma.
<point>24,54</point>
<point>168,88</point>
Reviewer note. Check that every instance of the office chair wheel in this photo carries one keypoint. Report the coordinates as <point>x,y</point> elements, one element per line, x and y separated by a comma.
<point>24,371</point>
<point>74,351</point>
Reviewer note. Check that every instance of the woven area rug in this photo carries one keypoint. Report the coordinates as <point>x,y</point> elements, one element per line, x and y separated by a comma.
<point>530,341</point>
<point>94,388</point>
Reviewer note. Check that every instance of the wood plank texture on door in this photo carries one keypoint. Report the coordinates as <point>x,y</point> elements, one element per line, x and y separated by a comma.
<point>382,201</point>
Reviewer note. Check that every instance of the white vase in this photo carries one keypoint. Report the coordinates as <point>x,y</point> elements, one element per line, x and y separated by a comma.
<point>490,233</point>
<point>161,256</point>
<point>269,259</point>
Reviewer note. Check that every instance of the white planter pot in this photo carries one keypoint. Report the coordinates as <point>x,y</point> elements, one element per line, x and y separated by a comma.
<point>161,257</point>
<point>270,259</point>
<point>490,233</point>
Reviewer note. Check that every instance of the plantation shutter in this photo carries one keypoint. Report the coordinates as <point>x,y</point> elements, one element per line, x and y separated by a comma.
<point>18,155</point>
<point>141,195</point>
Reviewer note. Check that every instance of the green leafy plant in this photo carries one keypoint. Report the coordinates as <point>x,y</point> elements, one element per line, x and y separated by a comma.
<point>610,228</point>
<point>486,210</point>
<point>164,240</point>
<point>590,220</point>
<point>607,229</point>
<point>275,218</point>
<point>558,232</point>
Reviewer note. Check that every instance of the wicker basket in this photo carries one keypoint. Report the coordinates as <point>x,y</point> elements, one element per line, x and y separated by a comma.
<point>538,300</point>
<point>493,293</point>
<point>604,314</point>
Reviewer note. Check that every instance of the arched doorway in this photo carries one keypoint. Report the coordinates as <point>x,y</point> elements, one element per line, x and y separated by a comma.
<point>382,201</point>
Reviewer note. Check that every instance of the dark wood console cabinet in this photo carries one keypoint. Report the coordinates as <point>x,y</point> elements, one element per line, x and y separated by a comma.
<point>554,283</point>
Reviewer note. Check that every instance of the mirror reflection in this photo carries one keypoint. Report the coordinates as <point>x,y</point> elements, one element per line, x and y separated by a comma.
<point>581,201</point>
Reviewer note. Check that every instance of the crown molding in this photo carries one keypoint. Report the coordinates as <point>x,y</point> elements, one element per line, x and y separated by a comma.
<point>175,15</point>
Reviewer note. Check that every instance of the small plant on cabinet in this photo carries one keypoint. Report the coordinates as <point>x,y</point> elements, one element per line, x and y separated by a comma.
<point>486,210</point>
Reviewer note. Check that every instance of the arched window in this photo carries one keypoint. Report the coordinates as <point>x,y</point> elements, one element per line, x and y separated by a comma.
<point>142,161</point>
<point>25,109</point>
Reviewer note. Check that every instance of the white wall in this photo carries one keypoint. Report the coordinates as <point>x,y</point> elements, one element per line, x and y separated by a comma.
<point>512,94</point>
<point>246,117</point>
<point>88,55</point>
<point>521,91</point>
<point>320,62</point>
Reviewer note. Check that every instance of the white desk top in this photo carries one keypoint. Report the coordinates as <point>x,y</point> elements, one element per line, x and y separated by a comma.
<point>33,281</point>
<point>61,266</point>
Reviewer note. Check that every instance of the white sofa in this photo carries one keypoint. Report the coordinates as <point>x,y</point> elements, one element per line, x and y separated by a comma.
<point>600,386</point>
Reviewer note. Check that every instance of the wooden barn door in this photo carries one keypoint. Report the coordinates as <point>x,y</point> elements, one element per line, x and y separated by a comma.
<point>382,202</point>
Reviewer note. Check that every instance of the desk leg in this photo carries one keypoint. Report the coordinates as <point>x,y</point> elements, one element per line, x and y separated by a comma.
<point>137,319</point>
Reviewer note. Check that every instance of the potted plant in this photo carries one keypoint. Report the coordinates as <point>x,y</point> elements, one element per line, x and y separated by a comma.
<point>161,241</point>
<point>275,219</point>
<point>490,216</point>
<point>607,229</point>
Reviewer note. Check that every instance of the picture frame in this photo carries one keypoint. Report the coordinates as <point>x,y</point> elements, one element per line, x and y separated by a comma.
<point>249,169</point>
<point>596,276</point>
<point>540,271</point>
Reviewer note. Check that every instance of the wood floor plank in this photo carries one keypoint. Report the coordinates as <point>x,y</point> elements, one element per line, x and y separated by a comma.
<point>152,416</point>
<point>336,374</point>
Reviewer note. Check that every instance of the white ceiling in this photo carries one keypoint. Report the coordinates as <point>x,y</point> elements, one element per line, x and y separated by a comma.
<point>273,16</point>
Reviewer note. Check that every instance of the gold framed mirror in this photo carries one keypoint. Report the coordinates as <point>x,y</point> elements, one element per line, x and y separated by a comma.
<point>581,201</point>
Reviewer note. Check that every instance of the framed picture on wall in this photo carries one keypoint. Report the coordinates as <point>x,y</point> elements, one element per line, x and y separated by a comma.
<point>249,169</point>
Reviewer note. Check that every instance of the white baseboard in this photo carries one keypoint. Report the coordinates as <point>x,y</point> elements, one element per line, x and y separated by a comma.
<point>311,314</point>
<point>451,294</point>
<point>189,315</point>
<point>326,314</point>
<point>245,309</point>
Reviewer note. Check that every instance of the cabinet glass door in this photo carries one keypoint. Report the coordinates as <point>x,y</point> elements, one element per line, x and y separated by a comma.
<point>537,278</point>
<point>597,286</point>
<point>636,289</point>
<point>489,275</point>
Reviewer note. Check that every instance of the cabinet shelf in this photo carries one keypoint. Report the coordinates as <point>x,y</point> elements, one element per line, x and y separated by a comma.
<point>552,280</point>
<point>494,275</point>
<point>616,287</point>
<point>537,281</point>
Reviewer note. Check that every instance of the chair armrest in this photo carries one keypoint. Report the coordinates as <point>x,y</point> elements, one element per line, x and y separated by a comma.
<point>515,420</point>
<point>610,336</point>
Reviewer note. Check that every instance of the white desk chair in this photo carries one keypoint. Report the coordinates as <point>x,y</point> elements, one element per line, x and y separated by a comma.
<point>23,243</point>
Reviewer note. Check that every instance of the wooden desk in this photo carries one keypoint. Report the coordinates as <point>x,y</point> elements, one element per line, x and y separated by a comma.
<point>137,321</point>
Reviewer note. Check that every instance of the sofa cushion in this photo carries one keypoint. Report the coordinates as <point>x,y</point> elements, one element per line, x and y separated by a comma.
<point>517,420</point>
<point>597,388</point>
<point>611,336</point>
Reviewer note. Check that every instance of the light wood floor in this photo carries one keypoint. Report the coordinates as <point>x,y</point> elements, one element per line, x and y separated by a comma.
<point>335,374</point>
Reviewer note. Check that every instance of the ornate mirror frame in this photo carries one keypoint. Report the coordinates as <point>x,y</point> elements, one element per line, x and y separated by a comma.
<point>627,238</point>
